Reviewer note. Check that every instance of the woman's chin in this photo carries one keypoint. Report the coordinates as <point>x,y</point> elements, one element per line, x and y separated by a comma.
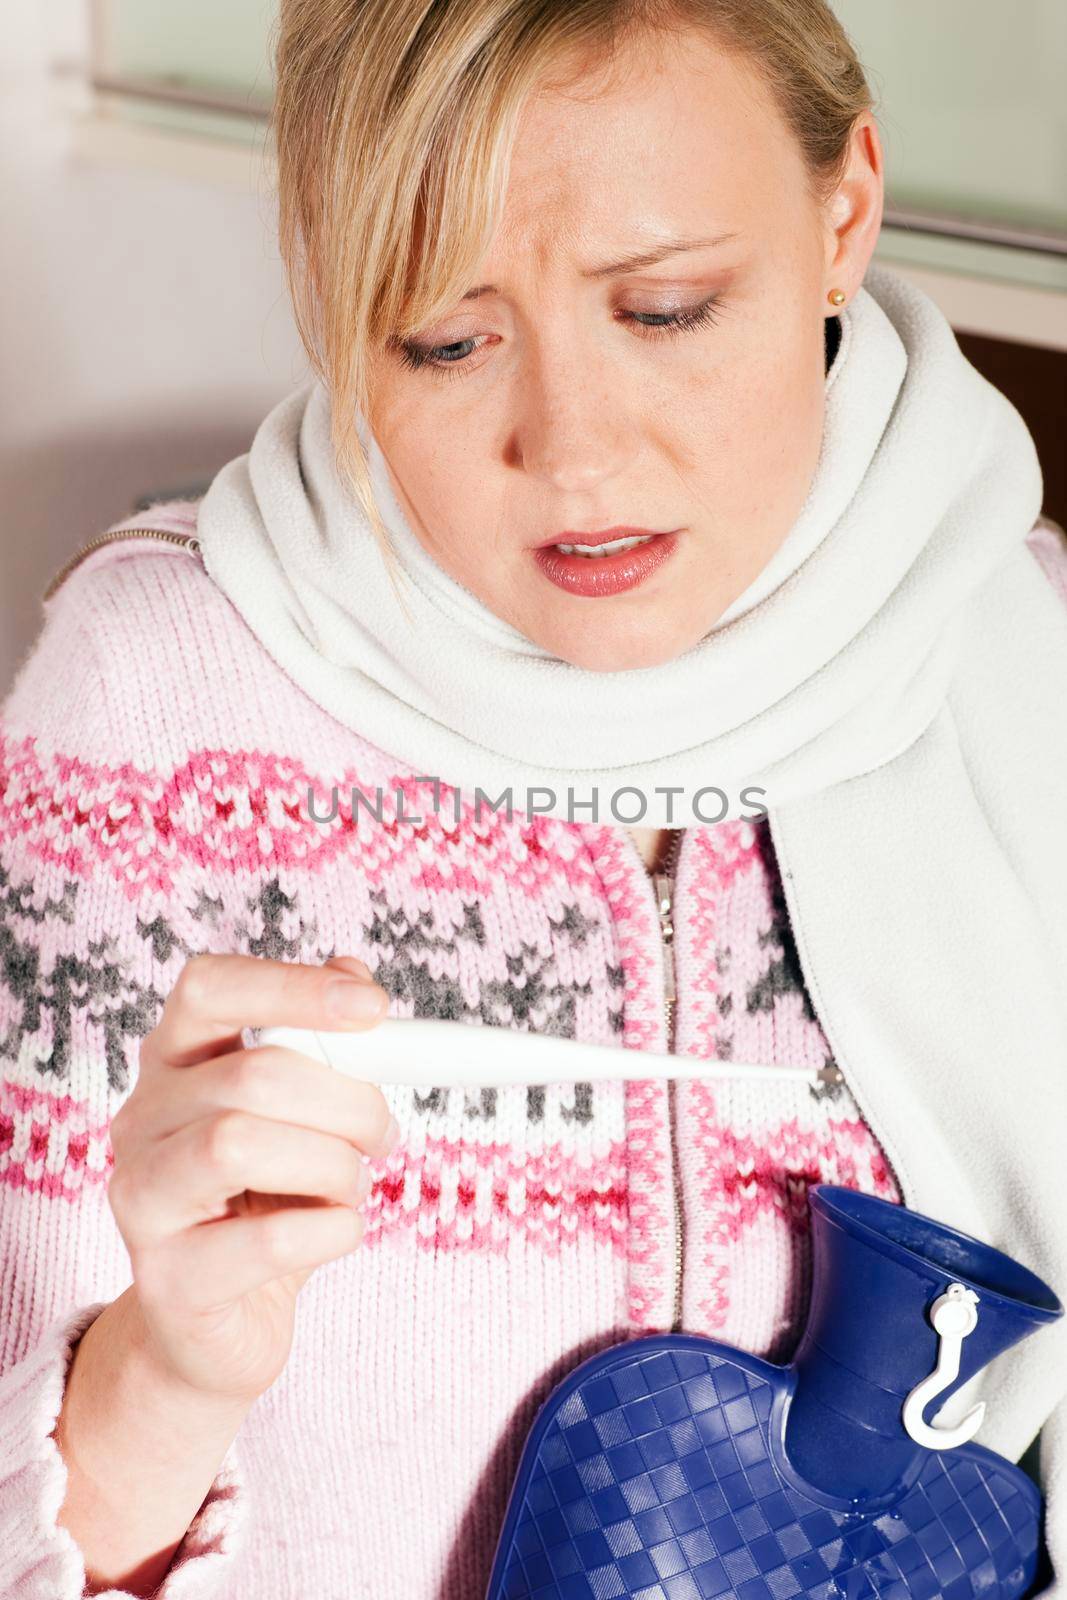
<point>622,650</point>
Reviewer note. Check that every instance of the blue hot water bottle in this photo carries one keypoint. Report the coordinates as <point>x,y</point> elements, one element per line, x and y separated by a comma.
<point>674,1467</point>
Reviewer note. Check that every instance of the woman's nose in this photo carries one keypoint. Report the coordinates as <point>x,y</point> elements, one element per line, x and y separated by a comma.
<point>576,430</point>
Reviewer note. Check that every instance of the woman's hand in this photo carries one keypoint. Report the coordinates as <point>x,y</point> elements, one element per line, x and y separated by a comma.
<point>237,1172</point>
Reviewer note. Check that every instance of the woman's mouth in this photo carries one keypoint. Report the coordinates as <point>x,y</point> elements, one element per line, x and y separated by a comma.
<point>607,568</point>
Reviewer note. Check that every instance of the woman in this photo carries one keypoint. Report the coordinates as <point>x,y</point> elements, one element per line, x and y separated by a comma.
<point>825,661</point>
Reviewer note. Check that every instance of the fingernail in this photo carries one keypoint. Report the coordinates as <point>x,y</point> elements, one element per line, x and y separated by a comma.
<point>361,967</point>
<point>364,1185</point>
<point>392,1135</point>
<point>352,1001</point>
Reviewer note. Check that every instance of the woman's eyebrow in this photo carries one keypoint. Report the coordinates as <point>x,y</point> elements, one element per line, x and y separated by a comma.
<point>643,258</point>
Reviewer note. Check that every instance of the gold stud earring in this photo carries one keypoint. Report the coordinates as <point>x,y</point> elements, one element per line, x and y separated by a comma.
<point>836,297</point>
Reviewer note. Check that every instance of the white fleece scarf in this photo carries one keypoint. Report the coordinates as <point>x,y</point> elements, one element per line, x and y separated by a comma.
<point>894,679</point>
<point>832,673</point>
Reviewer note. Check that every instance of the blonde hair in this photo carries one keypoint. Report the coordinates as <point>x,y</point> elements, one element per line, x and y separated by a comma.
<point>392,124</point>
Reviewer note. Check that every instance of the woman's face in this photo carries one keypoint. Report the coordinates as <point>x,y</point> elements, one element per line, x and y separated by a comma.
<point>550,406</point>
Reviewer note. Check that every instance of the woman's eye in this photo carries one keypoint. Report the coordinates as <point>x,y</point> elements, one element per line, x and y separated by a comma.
<point>678,321</point>
<point>439,355</point>
<point>654,324</point>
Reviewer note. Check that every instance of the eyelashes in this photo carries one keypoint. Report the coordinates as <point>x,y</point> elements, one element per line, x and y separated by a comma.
<point>678,321</point>
<point>653,325</point>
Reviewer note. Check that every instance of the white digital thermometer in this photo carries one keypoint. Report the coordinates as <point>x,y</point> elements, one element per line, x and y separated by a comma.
<point>436,1052</point>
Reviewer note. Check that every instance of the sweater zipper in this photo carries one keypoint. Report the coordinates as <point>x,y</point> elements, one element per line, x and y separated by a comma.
<point>825,1080</point>
<point>663,886</point>
<point>188,540</point>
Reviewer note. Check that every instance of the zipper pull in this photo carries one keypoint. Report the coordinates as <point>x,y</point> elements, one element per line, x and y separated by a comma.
<point>662,884</point>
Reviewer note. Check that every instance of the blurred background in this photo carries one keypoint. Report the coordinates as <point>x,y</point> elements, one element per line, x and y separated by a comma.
<point>144,325</point>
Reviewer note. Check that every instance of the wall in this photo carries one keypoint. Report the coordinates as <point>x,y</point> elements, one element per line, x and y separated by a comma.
<point>144,325</point>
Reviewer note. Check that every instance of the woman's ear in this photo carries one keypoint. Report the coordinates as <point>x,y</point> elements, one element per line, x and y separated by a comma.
<point>853,217</point>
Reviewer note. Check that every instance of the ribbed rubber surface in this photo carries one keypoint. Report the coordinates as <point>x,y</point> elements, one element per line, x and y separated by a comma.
<point>651,1479</point>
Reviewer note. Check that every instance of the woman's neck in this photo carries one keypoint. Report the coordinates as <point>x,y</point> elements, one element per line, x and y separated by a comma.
<point>653,843</point>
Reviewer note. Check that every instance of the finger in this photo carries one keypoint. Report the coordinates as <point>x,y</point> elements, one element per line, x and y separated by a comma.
<point>215,996</point>
<point>191,1176</point>
<point>217,1262</point>
<point>278,1083</point>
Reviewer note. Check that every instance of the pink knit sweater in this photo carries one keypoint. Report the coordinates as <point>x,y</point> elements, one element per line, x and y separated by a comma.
<point>154,771</point>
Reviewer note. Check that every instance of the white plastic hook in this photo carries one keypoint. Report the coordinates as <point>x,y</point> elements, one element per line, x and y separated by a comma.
<point>954,1315</point>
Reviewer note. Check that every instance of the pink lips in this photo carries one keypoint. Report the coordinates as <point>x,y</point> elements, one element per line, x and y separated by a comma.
<point>604,575</point>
